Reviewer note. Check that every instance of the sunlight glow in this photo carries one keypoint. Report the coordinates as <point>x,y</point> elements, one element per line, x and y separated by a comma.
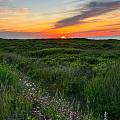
<point>63,37</point>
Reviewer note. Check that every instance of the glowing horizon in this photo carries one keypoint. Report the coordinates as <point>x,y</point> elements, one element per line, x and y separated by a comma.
<point>53,19</point>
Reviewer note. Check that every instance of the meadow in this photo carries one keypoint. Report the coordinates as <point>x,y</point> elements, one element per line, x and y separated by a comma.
<point>55,79</point>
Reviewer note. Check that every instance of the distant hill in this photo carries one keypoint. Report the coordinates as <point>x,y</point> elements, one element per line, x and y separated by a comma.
<point>85,39</point>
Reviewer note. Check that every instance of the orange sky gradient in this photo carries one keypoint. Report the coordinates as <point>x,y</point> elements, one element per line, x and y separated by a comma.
<point>25,20</point>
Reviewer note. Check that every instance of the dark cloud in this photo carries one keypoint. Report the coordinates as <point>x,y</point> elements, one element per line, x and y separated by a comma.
<point>92,9</point>
<point>20,35</point>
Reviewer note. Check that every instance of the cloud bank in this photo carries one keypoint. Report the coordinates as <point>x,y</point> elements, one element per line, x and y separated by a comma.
<point>93,9</point>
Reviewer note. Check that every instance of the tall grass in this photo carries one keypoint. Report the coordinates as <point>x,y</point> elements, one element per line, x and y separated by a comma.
<point>10,92</point>
<point>104,92</point>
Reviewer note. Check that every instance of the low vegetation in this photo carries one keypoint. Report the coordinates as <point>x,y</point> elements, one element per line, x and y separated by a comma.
<point>68,79</point>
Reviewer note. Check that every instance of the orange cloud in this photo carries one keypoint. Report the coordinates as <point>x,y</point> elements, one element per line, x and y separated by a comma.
<point>14,10</point>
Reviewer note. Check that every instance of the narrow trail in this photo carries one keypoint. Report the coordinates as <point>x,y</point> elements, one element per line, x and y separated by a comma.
<point>32,93</point>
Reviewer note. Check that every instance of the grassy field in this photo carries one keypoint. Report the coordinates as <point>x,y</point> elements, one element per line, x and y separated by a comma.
<point>71,79</point>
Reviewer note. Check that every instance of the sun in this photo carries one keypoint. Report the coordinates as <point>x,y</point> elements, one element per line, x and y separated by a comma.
<point>63,37</point>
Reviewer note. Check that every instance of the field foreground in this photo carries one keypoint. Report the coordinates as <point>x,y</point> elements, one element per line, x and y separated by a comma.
<point>71,79</point>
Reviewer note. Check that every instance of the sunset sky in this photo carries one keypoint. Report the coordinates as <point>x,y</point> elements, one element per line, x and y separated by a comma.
<point>56,18</point>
